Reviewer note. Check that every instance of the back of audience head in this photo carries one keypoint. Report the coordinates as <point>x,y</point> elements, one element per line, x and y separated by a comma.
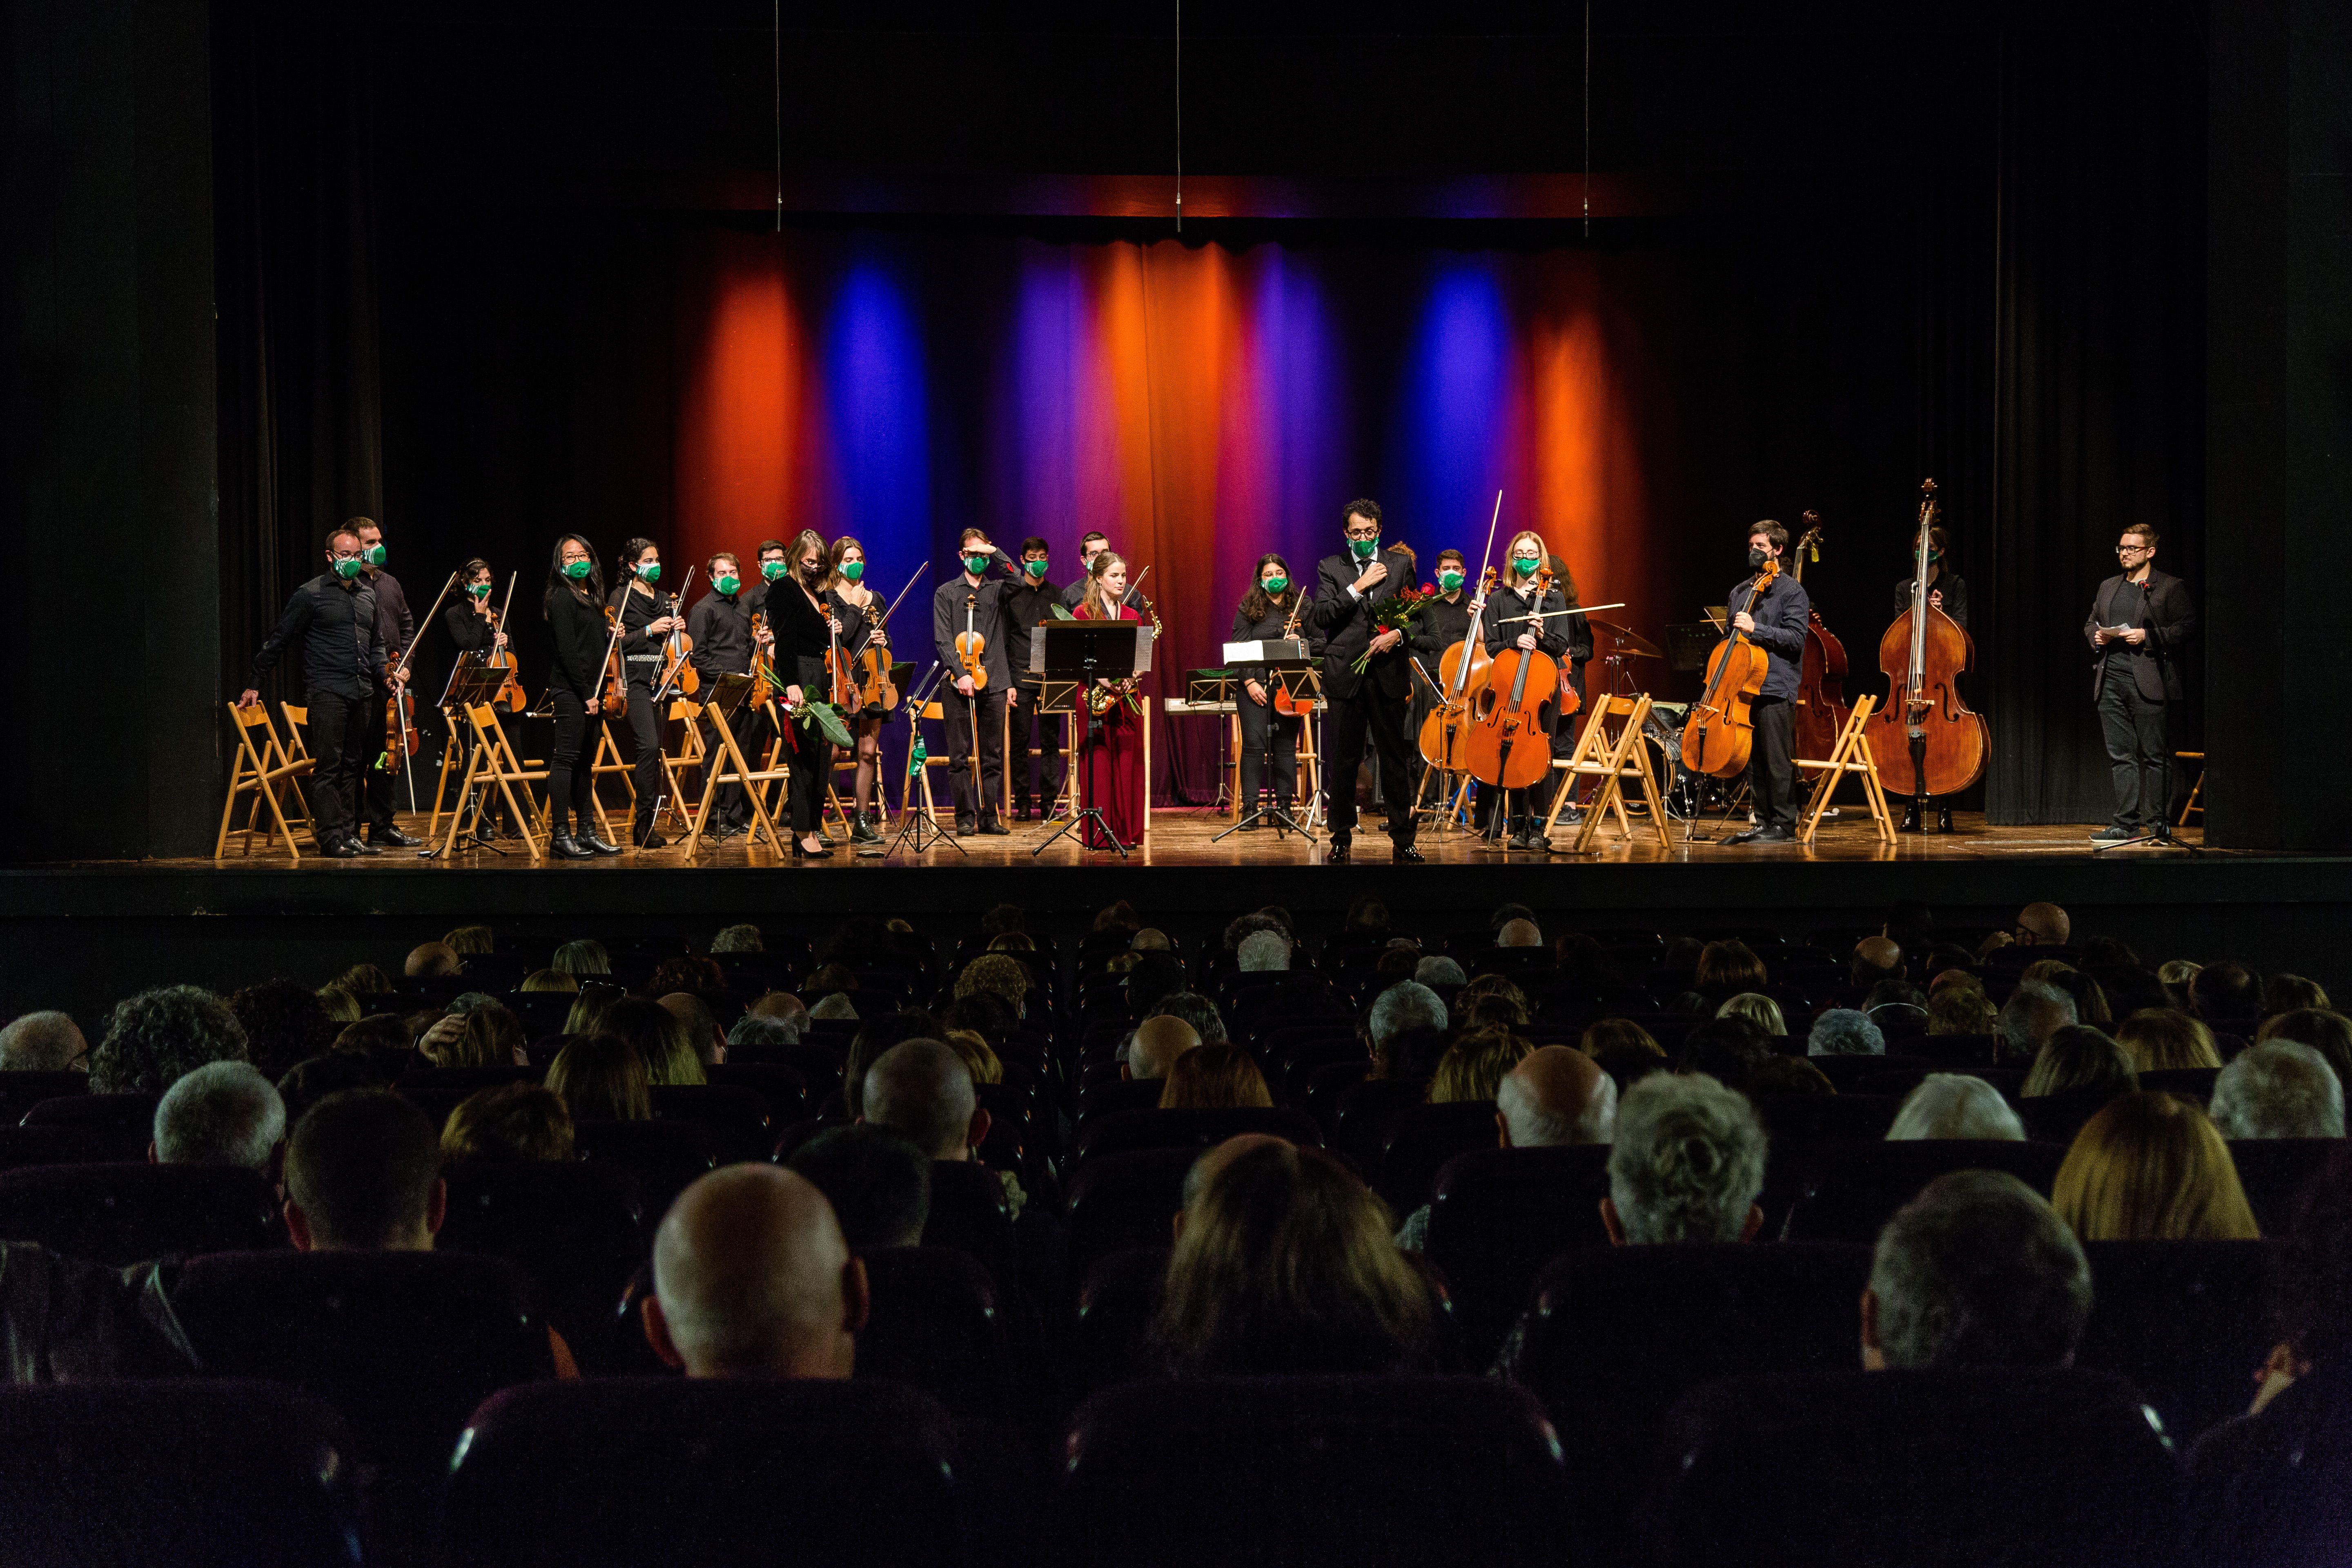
<point>1781,1075</point>
<point>588,1009</point>
<point>1263,953</point>
<point>1155,975</point>
<point>1845,1032</point>
<point>1876,959</point>
<point>980,1058</point>
<point>509,1124</point>
<point>1951,1105</point>
<point>1158,1042</point>
<point>2162,1039</point>
<point>1726,1049</point>
<point>363,1175</point>
<point>1436,970</point>
<point>283,1022</point>
<point>1961,1010</point>
<point>307,1083</point>
<point>985,1013</point>
<point>1910,924</point>
<point>341,1004</point>
<point>998,974</point>
<point>488,1038</point>
<point>1119,916</point>
<point>1519,931</point>
<point>1215,1077</point>
<point>1578,960</point>
<point>469,942</point>
<point>875,1036</point>
<point>1618,1034</point>
<point>157,1037</point>
<point>2311,1272</point>
<point>2152,1167</point>
<point>686,971</point>
<point>758,1032</point>
<point>223,1113</point>
<point>1284,1263</point>
<point>2228,991</point>
<point>1403,1017</point>
<point>1472,1066</point>
<point>1366,915</point>
<point>1977,1270</point>
<point>601,1079</point>
<point>1195,1009</point>
<point>1687,1162</point>
<point>752,1277</point>
<point>922,1089</point>
<point>877,1180</point>
<point>1399,962</point>
<point>2278,1089</point>
<point>43,1042</point>
<point>1554,1098</point>
<point>2106,952</point>
<point>579,958</point>
<point>543,980</point>
<point>661,1040</point>
<point>1150,939</point>
<point>432,961</point>
<point>739,939</point>
<point>1726,969</point>
<point>2290,993</point>
<point>833,1006</point>
<point>366,980</point>
<point>2033,1012</point>
<point>2080,1059</point>
<point>2090,998</point>
<point>1757,1009</point>
<point>1012,942</point>
<point>2042,925</point>
<point>701,1026</point>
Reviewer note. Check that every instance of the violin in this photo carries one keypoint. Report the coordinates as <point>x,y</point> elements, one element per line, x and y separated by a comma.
<point>401,736</point>
<point>1718,734</point>
<point>870,677</point>
<point>613,696</point>
<point>510,695</point>
<point>840,668</point>
<point>1509,742</point>
<point>1462,675</point>
<point>1821,711</point>
<point>1284,702</point>
<point>677,672</point>
<point>1926,740</point>
<point>972,648</point>
<point>763,679</point>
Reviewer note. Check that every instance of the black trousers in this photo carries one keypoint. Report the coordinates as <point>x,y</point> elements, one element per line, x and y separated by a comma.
<point>730,804</point>
<point>346,732</point>
<point>2138,757</point>
<point>644,724</point>
<point>1352,721</point>
<point>1268,736</point>
<point>811,764</point>
<point>571,758</point>
<point>382,788</point>
<point>1051,731</point>
<point>970,806</point>
<point>1771,776</point>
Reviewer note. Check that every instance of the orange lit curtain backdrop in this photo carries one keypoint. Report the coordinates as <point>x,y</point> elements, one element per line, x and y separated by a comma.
<point>1199,405</point>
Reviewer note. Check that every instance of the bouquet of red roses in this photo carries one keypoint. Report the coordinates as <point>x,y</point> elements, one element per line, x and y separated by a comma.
<point>1396,615</point>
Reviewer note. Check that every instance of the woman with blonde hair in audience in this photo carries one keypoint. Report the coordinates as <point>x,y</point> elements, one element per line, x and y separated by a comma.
<point>2328,1033</point>
<point>510,1124</point>
<point>1472,1066</point>
<point>1215,1077</point>
<point>2162,1039</point>
<point>1512,1006</point>
<point>588,1010</point>
<point>601,1079</point>
<point>1617,1034</point>
<point>583,957</point>
<point>2079,1057</point>
<point>384,1032</point>
<point>998,974</point>
<point>1757,1009</point>
<point>484,1037</point>
<point>2152,1167</point>
<point>2175,976</point>
<point>1959,1009</point>
<point>660,1038</point>
<point>468,941</point>
<point>540,980</point>
<point>2292,993</point>
<point>343,1004</point>
<point>973,1048</point>
<point>1285,1264</point>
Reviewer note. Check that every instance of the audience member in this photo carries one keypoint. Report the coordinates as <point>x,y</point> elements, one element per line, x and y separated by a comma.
<point>1215,1077</point>
<point>1407,1026</point>
<point>1977,1270</point>
<point>1438,970</point>
<point>1728,1049</point>
<point>2328,1033</point>
<point>687,972</point>
<point>157,1037</point>
<point>877,1180</point>
<point>2079,1058</point>
<point>1155,1046</point>
<point>43,1042</point>
<point>2161,1040</point>
<point>311,1081</point>
<point>487,1037</point>
<point>2292,993</point>
<point>921,1088</point>
<point>2226,993</point>
<point>469,942</point>
<point>587,1014</point>
<point>2042,925</point>
<point>874,1037</point>
<point>756,1032</point>
<point>2090,998</point>
<point>1961,1009</point>
<point>2278,1089</point>
<point>662,1042</point>
<point>833,1006</point>
<point>223,1113</point>
<point>363,1175</point>
<point>509,1124</point>
<point>1687,1163</point>
<point>1555,1097</point>
<point>544,980</point>
<point>366,980</point>
<point>1263,953</point>
<point>1241,928</point>
<point>1519,931</point>
<point>694,1015</point>
<point>1617,1034</point>
<point>783,1006</point>
<point>283,1023</point>
<point>1195,1009</point>
<point>1845,1032</point>
<point>2175,976</point>
<point>2033,1013</point>
<point>2106,952</point>
<point>601,1079</point>
<point>1950,1105</point>
<point>1726,969</point>
<point>738,938</point>
<point>1757,1009</point>
<point>581,958</point>
<point>752,1277</point>
<point>1876,959</point>
<point>1780,1074</point>
<point>432,961</point>
<point>1472,1066</point>
<point>341,1004</point>
<point>2152,1167</point>
<point>996,974</point>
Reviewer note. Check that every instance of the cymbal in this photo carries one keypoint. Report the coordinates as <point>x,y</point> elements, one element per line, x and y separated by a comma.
<point>1630,643</point>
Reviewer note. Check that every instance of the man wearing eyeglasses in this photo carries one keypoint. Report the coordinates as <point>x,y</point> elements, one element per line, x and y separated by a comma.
<point>2140,620</point>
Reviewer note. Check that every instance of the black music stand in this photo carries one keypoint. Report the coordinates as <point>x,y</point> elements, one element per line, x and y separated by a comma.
<point>1083,652</point>
<point>1303,679</point>
<point>915,821</point>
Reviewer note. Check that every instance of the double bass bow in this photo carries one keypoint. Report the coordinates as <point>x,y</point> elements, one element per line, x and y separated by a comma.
<point>1510,730</point>
<point>1926,740</point>
<point>1462,671</point>
<point>1718,734</point>
<point>1820,710</point>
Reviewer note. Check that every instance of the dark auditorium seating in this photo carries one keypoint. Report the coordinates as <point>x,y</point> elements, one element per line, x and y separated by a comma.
<point>1855,1189</point>
<point>736,1117</point>
<point>935,1326</point>
<point>1110,1095</point>
<point>120,1125</point>
<point>1348,1472</point>
<point>576,1230</point>
<point>541,1012</point>
<point>785,1091</point>
<point>664,1156</point>
<point>2189,1083</point>
<point>970,1214</point>
<point>2276,1488</point>
<point>1116,1303</point>
<point>2272,1170</point>
<point>1896,1086</point>
<point>628,1472</point>
<point>1125,1131</point>
<point>1420,1139</point>
<point>21,1146</point>
<point>1498,1216</point>
<point>212,1473</point>
<point>1955,1053</point>
<point>1950,1467</point>
<point>121,1214</point>
<point>20,1091</point>
<point>1123,1200</point>
<point>2056,1118</point>
<point>1845,1073</point>
<point>2184,1321</point>
<point>1810,1120</point>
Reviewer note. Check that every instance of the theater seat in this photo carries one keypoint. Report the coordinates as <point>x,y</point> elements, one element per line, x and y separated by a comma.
<point>2183,1321</point>
<point>1805,1121</point>
<point>1116,1303</point>
<point>736,1117</point>
<point>935,1326</point>
<point>1497,1216</point>
<point>577,1231</point>
<point>20,1091</point>
<point>970,1214</point>
<point>1422,1140</point>
<point>119,1126</point>
<point>2272,1170</point>
<point>1123,1200</point>
<point>1949,1466</point>
<point>2189,1083</point>
<point>121,1214</point>
<point>1125,1131</point>
<point>664,1157</point>
<point>701,1473</point>
<point>2275,1490</point>
<point>1349,1472</point>
<point>21,1146</point>
<point>196,1474</point>
<point>2056,1118</point>
<point>1855,1189</point>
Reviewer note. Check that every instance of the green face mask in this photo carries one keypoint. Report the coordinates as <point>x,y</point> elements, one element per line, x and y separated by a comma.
<point>729,583</point>
<point>1036,568</point>
<point>1363,549</point>
<point>375,555</point>
<point>975,564</point>
<point>650,573</point>
<point>479,590</point>
<point>1449,581</point>
<point>773,570</point>
<point>578,570</point>
<point>852,570</point>
<point>1274,584</point>
<point>349,567</point>
<point>1525,566</point>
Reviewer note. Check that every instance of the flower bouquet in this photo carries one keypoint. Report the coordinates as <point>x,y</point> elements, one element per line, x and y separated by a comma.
<point>809,710</point>
<point>1395,615</point>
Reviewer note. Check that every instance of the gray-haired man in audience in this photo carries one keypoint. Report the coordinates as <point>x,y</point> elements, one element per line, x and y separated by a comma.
<point>1845,1032</point>
<point>2278,1089</point>
<point>43,1042</point>
<point>1555,1097</point>
<point>223,1113</point>
<point>1263,953</point>
<point>1687,1163</point>
<point>1977,1270</point>
<point>2033,1013</point>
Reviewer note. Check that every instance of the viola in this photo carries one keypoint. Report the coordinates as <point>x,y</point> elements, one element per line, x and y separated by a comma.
<point>1821,711</point>
<point>510,695</point>
<point>1926,740</point>
<point>1511,721</point>
<point>613,696</point>
<point>1462,675</point>
<point>840,670</point>
<point>401,736</point>
<point>1718,734</point>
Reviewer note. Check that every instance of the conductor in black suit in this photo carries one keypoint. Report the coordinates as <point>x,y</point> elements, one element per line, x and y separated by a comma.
<point>2140,620</point>
<point>1349,589</point>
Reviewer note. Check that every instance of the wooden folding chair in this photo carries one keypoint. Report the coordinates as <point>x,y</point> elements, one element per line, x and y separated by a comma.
<point>1613,760</point>
<point>297,720</point>
<point>2195,789</point>
<point>608,761</point>
<point>689,757</point>
<point>1852,754</point>
<point>260,768</point>
<point>728,766</point>
<point>494,765</point>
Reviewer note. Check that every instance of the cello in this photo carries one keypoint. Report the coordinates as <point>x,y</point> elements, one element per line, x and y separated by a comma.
<point>1926,740</point>
<point>1462,675</point>
<point>1821,711</point>
<point>1510,744</point>
<point>1718,733</point>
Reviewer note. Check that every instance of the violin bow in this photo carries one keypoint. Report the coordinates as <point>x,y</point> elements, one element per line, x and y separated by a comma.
<point>400,671</point>
<point>1477,606</point>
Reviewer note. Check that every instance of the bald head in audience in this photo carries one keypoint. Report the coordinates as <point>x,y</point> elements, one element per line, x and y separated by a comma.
<point>1554,1098</point>
<point>1876,958</point>
<point>44,1042</point>
<point>1157,1043</point>
<point>922,1089</point>
<point>783,1006</point>
<point>2042,925</point>
<point>751,1279</point>
<point>1520,932</point>
<point>431,959</point>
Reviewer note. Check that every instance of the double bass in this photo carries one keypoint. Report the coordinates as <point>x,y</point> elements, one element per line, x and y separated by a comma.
<point>1718,734</point>
<point>1511,721</point>
<point>1821,711</point>
<point>1926,740</point>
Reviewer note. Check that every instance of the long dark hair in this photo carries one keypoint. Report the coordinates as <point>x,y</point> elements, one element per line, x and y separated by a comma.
<point>1257,604</point>
<point>591,592</point>
<point>630,551</point>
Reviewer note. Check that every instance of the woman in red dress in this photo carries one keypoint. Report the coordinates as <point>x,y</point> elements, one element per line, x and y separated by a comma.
<point>1111,756</point>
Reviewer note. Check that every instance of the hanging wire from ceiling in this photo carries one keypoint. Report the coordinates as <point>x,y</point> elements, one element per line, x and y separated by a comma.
<point>1179,116</point>
<point>1588,118</point>
<point>776,66</point>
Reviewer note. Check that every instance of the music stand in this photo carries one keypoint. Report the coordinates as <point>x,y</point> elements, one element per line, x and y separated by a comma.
<point>1294,669</point>
<point>917,822</point>
<point>472,682</point>
<point>1083,652</point>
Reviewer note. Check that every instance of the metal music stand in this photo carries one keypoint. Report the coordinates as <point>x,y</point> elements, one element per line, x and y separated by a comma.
<point>1085,652</point>
<point>1294,669</point>
<point>917,822</point>
<point>471,683</point>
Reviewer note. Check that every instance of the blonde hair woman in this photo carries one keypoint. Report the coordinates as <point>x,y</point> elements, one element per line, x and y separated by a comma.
<point>1551,632</point>
<point>2152,1167</point>
<point>2160,1040</point>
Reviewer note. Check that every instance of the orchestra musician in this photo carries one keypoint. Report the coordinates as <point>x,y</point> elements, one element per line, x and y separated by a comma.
<point>1572,681</point>
<point>847,597</point>
<point>396,623</point>
<point>1262,615</point>
<point>1947,592</point>
<point>1032,600</point>
<point>644,622</point>
<point>720,626</point>
<point>974,600</point>
<point>1776,623</point>
<point>799,631</point>
<point>343,685</point>
<point>1349,589</point>
<point>1443,624</point>
<point>2140,619</point>
<point>573,604</point>
<point>1513,600</point>
<point>472,627</point>
<point>1090,545</point>
<point>1110,757</point>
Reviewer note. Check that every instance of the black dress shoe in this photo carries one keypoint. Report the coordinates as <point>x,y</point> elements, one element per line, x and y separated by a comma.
<point>1943,819</point>
<point>1340,846</point>
<point>819,853</point>
<point>1407,852</point>
<point>647,838</point>
<point>965,831</point>
<point>341,849</point>
<point>596,846</point>
<point>1910,818</point>
<point>361,845</point>
<point>1764,835</point>
<point>861,830</point>
<point>563,846</point>
<point>393,836</point>
<point>992,828</point>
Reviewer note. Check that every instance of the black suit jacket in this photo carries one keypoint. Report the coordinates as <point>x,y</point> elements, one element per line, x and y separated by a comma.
<point>1346,624</point>
<point>2170,620</point>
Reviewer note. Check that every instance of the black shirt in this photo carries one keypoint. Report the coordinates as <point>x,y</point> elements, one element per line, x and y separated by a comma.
<point>342,652</point>
<point>576,627</point>
<point>720,626</point>
<point>469,632</point>
<point>394,622</point>
<point>988,618</point>
<point>1955,591</point>
<point>1269,628</point>
<point>1027,603</point>
<point>801,633</point>
<point>1438,628</point>
<point>642,655</point>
